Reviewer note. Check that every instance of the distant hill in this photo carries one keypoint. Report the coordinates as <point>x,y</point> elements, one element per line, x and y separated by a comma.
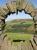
<point>21,20</point>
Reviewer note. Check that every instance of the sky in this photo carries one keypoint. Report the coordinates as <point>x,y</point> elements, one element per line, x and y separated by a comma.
<point>21,15</point>
<point>33,1</point>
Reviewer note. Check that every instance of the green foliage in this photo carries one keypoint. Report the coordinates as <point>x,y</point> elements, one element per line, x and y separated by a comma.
<point>18,26</point>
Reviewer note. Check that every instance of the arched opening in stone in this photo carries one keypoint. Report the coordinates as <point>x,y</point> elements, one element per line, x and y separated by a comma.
<point>14,35</point>
<point>18,24</point>
<point>12,8</point>
<point>15,6</point>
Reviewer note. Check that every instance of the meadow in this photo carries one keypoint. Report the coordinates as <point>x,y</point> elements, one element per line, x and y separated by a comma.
<point>19,30</point>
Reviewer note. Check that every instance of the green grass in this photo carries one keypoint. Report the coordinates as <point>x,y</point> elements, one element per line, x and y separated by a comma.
<point>18,36</point>
<point>24,25</point>
<point>15,31</point>
<point>18,27</point>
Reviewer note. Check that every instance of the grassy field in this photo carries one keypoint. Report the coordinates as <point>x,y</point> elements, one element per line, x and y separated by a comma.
<point>18,36</point>
<point>19,30</point>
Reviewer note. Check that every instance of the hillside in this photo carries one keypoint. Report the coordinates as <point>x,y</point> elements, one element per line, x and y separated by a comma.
<point>19,25</point>
<point>21,20</point>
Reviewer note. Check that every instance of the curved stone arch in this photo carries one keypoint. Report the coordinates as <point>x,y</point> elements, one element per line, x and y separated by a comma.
<point>14,7</point>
